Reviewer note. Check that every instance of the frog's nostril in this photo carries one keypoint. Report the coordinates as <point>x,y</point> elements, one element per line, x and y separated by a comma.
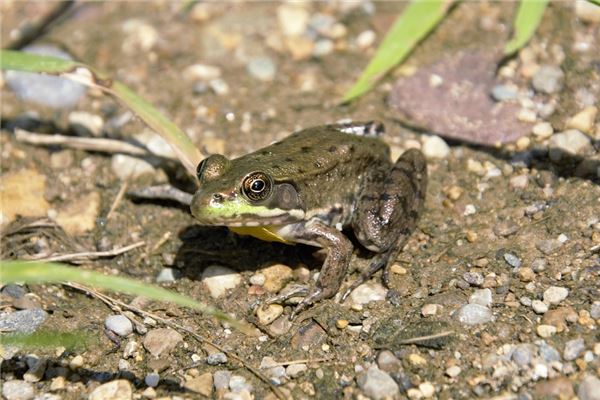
<point>217,198</point>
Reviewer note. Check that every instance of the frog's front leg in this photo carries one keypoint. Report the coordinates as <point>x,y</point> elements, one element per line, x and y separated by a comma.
<point>339,253</point>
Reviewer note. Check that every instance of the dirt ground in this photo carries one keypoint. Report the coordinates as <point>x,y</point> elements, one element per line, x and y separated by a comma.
<point>494,225</point>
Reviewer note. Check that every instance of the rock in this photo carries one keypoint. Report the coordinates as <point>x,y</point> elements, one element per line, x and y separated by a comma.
<point>522,355</point>
<point>218,280</point>
<point>24,321</point>
<point>17,291</point>
<point>119,324</point>
<point>587,12</point>
<point>76,362</point>
<point>427,389</point>
<point>51,91</point>
<point>506,228</point>
<point>377,384</point>
<point>519,181</point>
<point>365,39</point>
<point>473,278</point>
<point>152,379</point>
<point>161,341</point>
<point>573,348</point>
<point>545,331</point>
<point>554,388</point>
<point>453,371</point>
<point>571,141</point>
<point>309,335</point>
<point>322,48</point>
<point>548,79</point>
<point>167,275</point>
<point>429,310</point>
<point>559,317</point>
<point>269,313</point>
<point>139,36</point>
<point>238,383</point>
<point>584,120</point>
<point>17,390</point>
<point>589,388</point>
<point>262,68</point>
<point>595,310</point>
<point>293,19</point>
<point>221,380</point>
<point>539,307</point>
<point>504,92</point>
<point>548,246</point>
<point>388,362</point>
<point>543,130</point>
<point>36,371</point>
<point>276,276</point>
<point>296,370</point>
<point>86,124</point>
<point>548,353</point>
<point>555,294</point>
<point>57,384</point>
<point>156,144</point>
<point>127,167</point>
<point>116,390</point>
<point>202,384</point>
<point>540,371</point>
<point>219,86</point>
<point>22,193</point>
<point>435,147</point>
<point>526,274</point>
<point>368,292</point>
<point>482,297</point>
<point>216,358</point>
<point>512,260</point>
<point>79,215</point>
<point>201,72</point>
<point>473,314</point>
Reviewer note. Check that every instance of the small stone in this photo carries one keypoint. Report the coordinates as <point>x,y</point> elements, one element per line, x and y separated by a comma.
<point>453,371</point>
<point>262,68</point>
<point>473,278</point>
<point>76,362</point>
<point>388,362</point>
<point>548,353</point>
<point>22,193</point>
<point>414,394</point>
<point>587,12</point>
<point>522,355</point>
<point>36,371</point>
<point>368,292</point>
<point>523,143</point>
<point>548,246</point>
<point>427,389</point>
<point>526,274</point>
<point>365,39</point>
<point>545,331</point>
<point>269,313</point>
<point>202,384</point>
<point>398,269</point>
<point>539,307</point>
<point>167,275</point>
<point>216,358</point>
<point>469,210</point>
<point>471,236</point>
<point>119,324</point>
<point>512,260</point>
<point>276,276</point>
<point>296,370</point>
<point>17,390</point>
<point>504,92</point>
<point>595,310</point>
<point>417,360</point>
<point>557,388</point>
<point>127,167</point>
<point>219,86</point>
<point>584,120</point>
<point>527,115</point>
<point>140,36</point>
<point>161,341</point>
<point>341,323</point>
<point>538,265</point>
<point>540,371</point>
<point>219,280</point>
<point>542,130</point>
<point>280,326</point>
<point>555,294</point>
<point>323,47</point>
<point>473,314</point>
<point>483,297</point>
<point>58,383</point>
<point>238,383</point>
<point>221,379</point>
<point>293,19</point>
<point>571,141</point>
<point>573,348</point>
<point>589,388</point>
<point>24,321</point>
<point>377,384</point>
<point>258,279</point>
<point>429,310</point>
<point>115,390</point>
<point>454,192</point>
<point>506,228</point>
<point>152,379</point>
<point>548,79</point>
<point>435,147</point>
<point>201,72</point>
<point>86,124</point>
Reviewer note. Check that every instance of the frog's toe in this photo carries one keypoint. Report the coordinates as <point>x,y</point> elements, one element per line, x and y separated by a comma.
<point>288,292</point>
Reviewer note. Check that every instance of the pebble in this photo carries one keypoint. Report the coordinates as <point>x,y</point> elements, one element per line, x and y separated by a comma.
<point>435,147</point>
<point>257,279</point>
<point>275,277</point>
<point>589,388</point>
<point>453,371</point>
<point>526,274</point>
<point>268,313</point>
<point>539,307</point>
<point>555,294</point>
<point>584,120</point>
<point>595,310</point>
<point>427,389</point>
<point>322,48</point>
<point>296,370</point>
<point>519,181</point>
<point>548,353</point>
<point>219,86</point>
<point>504,92</point>
<point>388,362</point>
<point>156,144</point>
<point>152,379</point>
<point>527,115</point>
<point>24,321</point>
<point>17,390</point>
<point>127,167</point>
<point>506,228</point>
<point>512,260</point>
<point>238,383</point>
<point>262,68</point>
<point>76,362</point>
<point>58,383</point>
<point>51,91</point>
<point>365,39</point>
<point>522,355</point>
<point>86,124</point>
<point>219,280</point>
<point>368,292</point>
<point>548,246</point>
<point>538,265</point>
<point>377,384</point>
<point>79,215</point>
<point>13,290</point>
<point>22,193</point>
<point>119,324</point>
<point>161,341</point>
<point>473,314</point>
<point>167,275</point>
<point>543,130</point>
<point>557,388</point>
<point>473,278</point>
<point>570,141</point>
<point>573,348</point>
<point>429,310</point>
<point>201,72</point>
<point>540,371</point>
<point>417,360</point>
<point>115,390</point>
<point>483,297</point>
<point>216,358</point>
<point>203,384</point>
<point>548,79</point>
<point>545,331</point>
<point>140,36</point>
<point>293,19</point>
<point>587,12</point>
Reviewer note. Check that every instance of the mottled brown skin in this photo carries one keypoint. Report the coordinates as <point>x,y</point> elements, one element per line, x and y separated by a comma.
<point>320,180</point>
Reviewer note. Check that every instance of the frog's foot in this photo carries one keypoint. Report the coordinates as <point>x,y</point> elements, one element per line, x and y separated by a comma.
<point>379,262</point>
<point>288,292</point>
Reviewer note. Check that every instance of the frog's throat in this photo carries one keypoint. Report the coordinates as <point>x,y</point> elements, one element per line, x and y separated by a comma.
<point>237,214</point>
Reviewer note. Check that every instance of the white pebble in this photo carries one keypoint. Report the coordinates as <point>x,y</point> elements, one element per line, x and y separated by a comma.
<point>119,324</point>
<point>435,147</point>
<point>555,294</point>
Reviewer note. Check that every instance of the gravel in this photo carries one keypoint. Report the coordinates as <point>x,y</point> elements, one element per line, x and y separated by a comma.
<point>589,388</point>
<point>119,324</point>
<point>377,384</point>
<point>555,294</point>
<point>548,79</point>
<point>473,314</point>
<point>573,348</point>
<point>17,390</point>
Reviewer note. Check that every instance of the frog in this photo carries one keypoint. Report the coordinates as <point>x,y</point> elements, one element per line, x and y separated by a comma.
<point>311,188</point>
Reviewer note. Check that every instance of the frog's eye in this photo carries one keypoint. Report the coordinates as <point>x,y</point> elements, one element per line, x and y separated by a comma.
<point>257,186</point>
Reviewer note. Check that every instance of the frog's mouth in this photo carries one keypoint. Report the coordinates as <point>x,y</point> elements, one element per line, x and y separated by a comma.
<point>239,214</point>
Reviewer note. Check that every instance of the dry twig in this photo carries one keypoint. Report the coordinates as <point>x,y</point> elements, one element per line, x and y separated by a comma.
<point>90,255</point>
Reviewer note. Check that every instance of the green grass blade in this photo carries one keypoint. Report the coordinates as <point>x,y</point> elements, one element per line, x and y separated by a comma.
<point>47,338</point>
<point>529,16</point>
<point>187,153</point>
<point>39,272</point>
<point>596,2</point>
<point>418,19</point>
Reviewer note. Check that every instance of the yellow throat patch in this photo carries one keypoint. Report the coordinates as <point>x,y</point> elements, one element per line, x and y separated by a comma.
<point>267,233</point>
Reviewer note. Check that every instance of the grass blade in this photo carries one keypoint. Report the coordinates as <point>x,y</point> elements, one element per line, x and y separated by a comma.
<point>187,153</point>
<point>47,338</point>
<point>39,272</point>
<point>529,16</point>
<point>418,19</point>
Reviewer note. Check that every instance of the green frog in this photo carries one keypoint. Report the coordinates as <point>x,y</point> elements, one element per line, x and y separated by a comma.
<point>310,187</point>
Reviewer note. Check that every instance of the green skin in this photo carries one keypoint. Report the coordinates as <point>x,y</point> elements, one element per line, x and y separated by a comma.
<point>311,185</point>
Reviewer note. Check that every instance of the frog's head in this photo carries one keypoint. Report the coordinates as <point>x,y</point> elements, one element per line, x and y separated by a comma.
<point>231,194</point>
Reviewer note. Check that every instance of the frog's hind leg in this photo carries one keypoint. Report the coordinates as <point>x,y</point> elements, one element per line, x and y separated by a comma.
<point>388,211</point>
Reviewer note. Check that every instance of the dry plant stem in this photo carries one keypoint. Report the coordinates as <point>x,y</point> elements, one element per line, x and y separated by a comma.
<point>114,304</point>
<point>302,361</point>
<point>118,199</point>
<point>90,255</point>
<point>90,144</point>
<point>420,339</point>
<point>34,30</point>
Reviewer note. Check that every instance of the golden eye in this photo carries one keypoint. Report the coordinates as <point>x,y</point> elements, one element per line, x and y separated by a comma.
<point>256,186</point>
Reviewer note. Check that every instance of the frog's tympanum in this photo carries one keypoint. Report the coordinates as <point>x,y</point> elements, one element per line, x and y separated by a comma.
<point>311,185</point>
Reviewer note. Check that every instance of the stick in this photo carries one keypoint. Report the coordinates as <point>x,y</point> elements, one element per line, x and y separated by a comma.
<point>87,255</point>
<point>118,199</point>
